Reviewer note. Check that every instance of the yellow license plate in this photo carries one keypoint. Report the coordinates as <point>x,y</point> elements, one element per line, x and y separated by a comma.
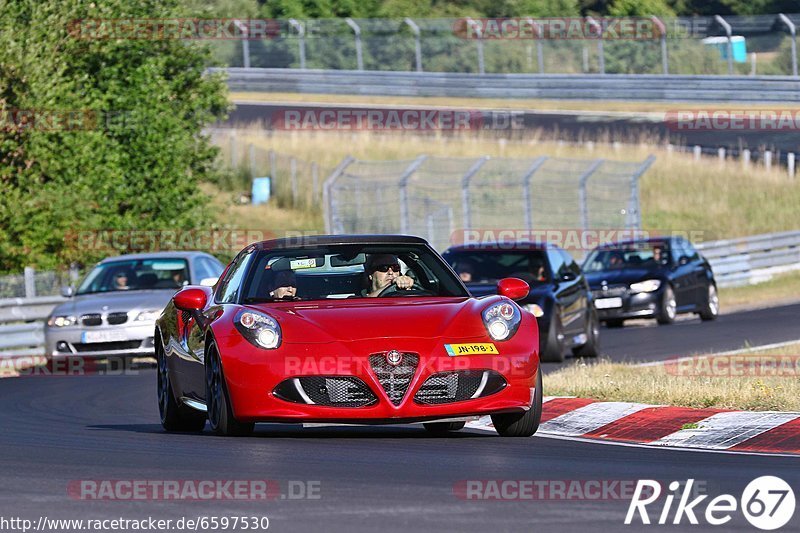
<point>478,348</point>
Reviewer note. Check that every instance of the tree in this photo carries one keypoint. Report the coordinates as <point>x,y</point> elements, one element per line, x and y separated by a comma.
<point>131,153</point>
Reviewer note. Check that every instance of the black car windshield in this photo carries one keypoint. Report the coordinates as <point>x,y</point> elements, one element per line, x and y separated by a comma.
<point>490,266</point>
<point>642,255</point>
<point>132,275</point>
<point>348,271</point>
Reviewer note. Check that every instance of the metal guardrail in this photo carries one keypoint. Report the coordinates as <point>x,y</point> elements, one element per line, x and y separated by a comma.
<point>557,86</point>
<point>755,259</point>
<point>22,324</point>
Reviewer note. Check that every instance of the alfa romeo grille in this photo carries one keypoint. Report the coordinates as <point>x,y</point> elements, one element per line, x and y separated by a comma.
<point>394,379</point>
<point>449,387</point>
<point>337,391</point>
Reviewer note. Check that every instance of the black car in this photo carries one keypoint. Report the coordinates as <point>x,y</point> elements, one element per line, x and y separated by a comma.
<point>559,297</point>
<point>651,278</point>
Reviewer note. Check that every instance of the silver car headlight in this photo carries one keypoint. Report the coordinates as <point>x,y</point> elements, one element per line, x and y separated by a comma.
<point>259,329</point>
<point>60,321</point>
<point>501,320</point>
<point>649,285</point>
<point>148,316</point>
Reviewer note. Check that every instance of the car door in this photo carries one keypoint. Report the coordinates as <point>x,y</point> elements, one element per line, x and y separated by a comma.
<point>568,292</point>
<point>682,276</point>
<point>698,272</point>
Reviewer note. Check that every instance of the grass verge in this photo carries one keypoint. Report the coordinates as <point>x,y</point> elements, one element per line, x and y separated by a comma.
<point>765,380</point>
<point>781,288</point>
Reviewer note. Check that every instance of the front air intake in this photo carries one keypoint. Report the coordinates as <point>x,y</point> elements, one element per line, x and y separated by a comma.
<point>394,371</point>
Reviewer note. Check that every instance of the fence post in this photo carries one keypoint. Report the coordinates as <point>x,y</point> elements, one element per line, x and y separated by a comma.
<point>526,190</point>
<point>403,183</point>
<point>634,214</point>
<point>30,282</point>
<point>417,43</point>
<point>537,29</point>
<point>465,179</point>
<point>582,198</point>
<point>273,168</point>
<point>790,164</point>
<point>301,33</point>
<point>721,154</point>
<point>793,31</point>
<point>698,151</point>
<point>357,32</point>
<point>663,30</point>
<point>600,53</point>
<point>729,34</point>
<point>234,155</point>
<point>477,29</point>
<point>293,171</point>
<point>328,205</point>
<point>746,158</point>
<point>245,43</point>
<point>767,159</point>
<point>314,183</point>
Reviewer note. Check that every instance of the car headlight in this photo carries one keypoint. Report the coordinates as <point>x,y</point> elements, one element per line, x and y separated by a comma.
<point>535,310</point>
<point>148,316</point>
<point>649,285</point>
<point>502,320</point>
<point>259,329</point>
<point>61,321</point>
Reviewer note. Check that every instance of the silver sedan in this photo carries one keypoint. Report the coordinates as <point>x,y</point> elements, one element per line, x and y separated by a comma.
<point>114,309</point>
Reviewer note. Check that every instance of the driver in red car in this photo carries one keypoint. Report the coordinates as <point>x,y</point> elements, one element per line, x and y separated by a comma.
<point>383,270</point>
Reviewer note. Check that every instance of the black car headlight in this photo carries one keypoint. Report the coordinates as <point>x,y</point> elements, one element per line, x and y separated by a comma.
<point>501,320</point>
<point>259,329</point>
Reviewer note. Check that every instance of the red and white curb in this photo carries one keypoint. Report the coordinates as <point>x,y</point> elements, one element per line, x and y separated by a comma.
<point>666,426</point>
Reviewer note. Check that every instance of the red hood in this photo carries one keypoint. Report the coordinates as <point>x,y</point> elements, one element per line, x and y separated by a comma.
<point>366,318</point>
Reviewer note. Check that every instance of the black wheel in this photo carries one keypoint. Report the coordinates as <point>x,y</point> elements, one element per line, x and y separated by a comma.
<point>220,414</point>
<point>552,350</point>
<point>592,346</point>
<point>615,323</point>
<point>443,428</point>
<point>522,424</point>
<point>709,310</point>
<point>667,308</point>
<point>174,416</point>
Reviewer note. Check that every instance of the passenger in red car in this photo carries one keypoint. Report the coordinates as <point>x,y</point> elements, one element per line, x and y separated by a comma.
<point>383,270</point>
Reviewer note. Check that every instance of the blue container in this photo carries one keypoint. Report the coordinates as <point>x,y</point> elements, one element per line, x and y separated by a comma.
<point>738,44</point>
<point>262,189</point>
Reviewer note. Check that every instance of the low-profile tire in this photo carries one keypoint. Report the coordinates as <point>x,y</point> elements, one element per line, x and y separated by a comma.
<point>667,307</point>
<point>522,424</point>
<point>174,415</point>
<point>614,323</point>
<point>552,350</point>
<point>220,414</point>
<point>443,428</point>
<point>709,310</point>
<point>592,346</point>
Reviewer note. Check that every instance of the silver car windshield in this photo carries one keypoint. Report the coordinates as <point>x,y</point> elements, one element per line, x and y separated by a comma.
<point>133,275</point>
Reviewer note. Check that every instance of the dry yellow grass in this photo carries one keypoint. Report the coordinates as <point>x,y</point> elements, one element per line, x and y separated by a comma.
<point>781,288</point>
<point>709,198</point>
<point>492,103</point>
<point>764,380</point>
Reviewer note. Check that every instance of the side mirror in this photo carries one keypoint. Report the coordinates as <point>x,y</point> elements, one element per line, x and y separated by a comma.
<point>208,282</point>
<point>513,288</point>
<point>569,276</point>
<point>68,291</point>
<point>683,260</point>
<point>192,298</point>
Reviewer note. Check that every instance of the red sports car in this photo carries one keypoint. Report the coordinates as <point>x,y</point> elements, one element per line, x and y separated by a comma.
<point>349,329</point>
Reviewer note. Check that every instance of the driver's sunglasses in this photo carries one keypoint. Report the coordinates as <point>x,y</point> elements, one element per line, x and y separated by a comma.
<point>385,268</point>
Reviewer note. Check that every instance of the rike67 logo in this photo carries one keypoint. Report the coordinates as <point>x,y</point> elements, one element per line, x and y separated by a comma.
<point>767,502</point>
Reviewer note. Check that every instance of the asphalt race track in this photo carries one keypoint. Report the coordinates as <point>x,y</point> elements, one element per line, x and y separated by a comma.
<point>62,429</point>
<point>59,430</point>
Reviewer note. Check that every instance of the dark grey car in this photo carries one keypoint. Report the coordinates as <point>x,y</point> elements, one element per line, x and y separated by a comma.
<point>114,309</point>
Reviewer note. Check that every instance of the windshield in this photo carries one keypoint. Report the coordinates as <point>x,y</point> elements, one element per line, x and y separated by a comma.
<point>142,274</point>
<point>349,271</point>
<point>643,255</point>
<point>490,267</point>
